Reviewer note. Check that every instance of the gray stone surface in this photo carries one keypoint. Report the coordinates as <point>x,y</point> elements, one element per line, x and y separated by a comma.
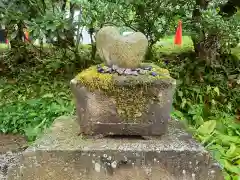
<point>10,146</point>
<point>134,111</point>
<point>7,161</point>
<point>62,155</point>
<point>123,51</point>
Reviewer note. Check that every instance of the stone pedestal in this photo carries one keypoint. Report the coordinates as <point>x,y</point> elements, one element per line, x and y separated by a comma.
<point>112,104</point>
<point>62,155</point>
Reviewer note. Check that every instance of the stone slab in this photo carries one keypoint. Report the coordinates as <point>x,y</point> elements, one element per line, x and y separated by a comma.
<point>62,155</point>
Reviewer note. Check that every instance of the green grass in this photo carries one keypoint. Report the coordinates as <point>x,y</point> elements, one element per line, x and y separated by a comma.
<point>168,46</point>
<point>186,41</point>
<point>3,47</point>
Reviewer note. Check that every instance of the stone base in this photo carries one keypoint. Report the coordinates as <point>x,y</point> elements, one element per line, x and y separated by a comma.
<point>62,155</point>
<point>98,113</point>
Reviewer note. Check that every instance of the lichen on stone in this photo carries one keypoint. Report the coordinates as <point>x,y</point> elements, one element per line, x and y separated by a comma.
<point>132,97</point>
<point>94,80</point>
<point>123,51</point>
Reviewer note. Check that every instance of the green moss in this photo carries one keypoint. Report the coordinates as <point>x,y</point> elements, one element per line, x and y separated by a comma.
<point>94,80</point>
<point>161,71</point>
<point>131,100</point>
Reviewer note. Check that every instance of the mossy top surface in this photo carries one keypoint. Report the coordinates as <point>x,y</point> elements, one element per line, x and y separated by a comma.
<point>94,80</point>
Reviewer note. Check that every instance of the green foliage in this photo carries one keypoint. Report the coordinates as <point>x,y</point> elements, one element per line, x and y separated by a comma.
<point>48,24</point>
<point>31,116</point>
<point>15,12</point>
<point>221,137</point>
<point>32,97</point>
<point>217,87</point>
<point>30,102</point>
<point>36,92</point>
<point>95,14</point>
<point>207,100</point>
<point>155,18</point>
<point>227,29</point>
<point>212,31</point>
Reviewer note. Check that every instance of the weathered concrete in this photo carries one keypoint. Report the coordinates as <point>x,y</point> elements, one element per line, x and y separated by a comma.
<point>62,155</point>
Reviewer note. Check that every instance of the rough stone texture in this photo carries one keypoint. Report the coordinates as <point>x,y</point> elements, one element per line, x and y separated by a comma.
<point>10,146</point>
<point>62,155</point>
<point>123,51</point>
<point>7,161</point>
<point>98,112</point>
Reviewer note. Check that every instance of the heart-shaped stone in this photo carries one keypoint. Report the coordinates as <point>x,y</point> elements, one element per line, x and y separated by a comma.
<point>124,51</point>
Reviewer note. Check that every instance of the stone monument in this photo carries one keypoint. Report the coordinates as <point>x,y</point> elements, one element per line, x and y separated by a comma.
<point>123,96</point>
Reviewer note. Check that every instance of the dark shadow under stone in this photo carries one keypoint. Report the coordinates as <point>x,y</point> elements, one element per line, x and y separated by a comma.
<point>138,137</point>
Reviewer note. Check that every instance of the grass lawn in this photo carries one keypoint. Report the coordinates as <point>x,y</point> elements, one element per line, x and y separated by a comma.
<point>3,47</point>
<point>168,46</point>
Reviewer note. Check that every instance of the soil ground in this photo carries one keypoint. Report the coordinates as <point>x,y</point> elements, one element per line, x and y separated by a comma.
<point>13,143</point>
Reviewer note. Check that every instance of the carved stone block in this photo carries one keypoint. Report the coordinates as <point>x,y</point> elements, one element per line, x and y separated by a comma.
<point>109,104</point>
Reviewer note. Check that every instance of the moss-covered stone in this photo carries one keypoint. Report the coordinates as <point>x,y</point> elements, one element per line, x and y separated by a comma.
<point>131,93</point>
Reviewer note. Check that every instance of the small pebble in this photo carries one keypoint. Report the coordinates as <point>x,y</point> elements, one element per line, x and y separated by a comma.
<point>120,71</point>
<point>114,164</point>
<point>142,71</point>
<point>114,67</point>
<point>153,73</point>
<point>135,73</point>
<point>149,68</point>
<point>128,71</point>
<point>100,70</point>
<point>108,70</point>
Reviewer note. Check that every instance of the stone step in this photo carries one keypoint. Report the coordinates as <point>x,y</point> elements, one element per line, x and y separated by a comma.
<point>62,155</point>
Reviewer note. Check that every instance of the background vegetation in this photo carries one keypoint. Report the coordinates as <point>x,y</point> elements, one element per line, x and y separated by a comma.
<point>34,82</point>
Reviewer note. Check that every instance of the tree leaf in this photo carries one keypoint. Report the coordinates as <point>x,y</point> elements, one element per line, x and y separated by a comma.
<point>231,150</point>
<point>216,89</point>
<point>49,95</point>
<point>231,168</point>
<point>207,128</point>
<point>180,93</point>
<point>225,139</point>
